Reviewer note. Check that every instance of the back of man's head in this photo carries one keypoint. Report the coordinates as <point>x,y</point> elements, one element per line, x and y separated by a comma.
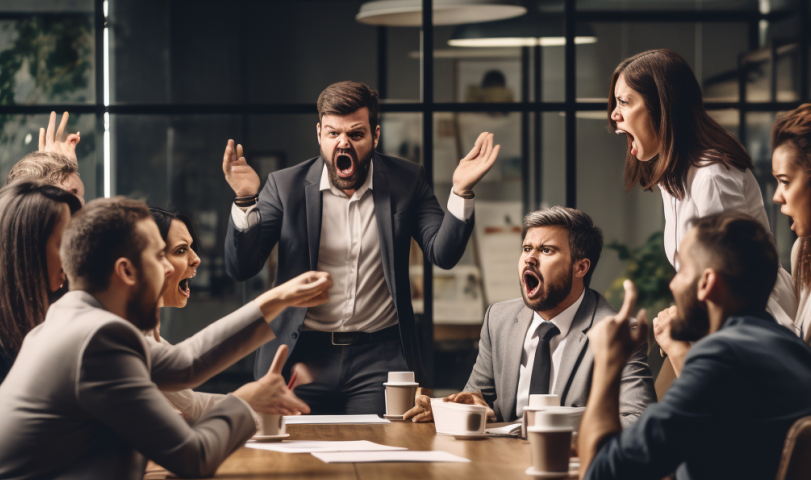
<point>51,167</point>
<point>742,253</point>
<point>99,234</point>
<point>585,239</point>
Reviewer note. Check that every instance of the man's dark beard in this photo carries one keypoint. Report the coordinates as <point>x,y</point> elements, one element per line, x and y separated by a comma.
<point>556,291</point>
<point>692,321</point>
<point>142,311</point>
<point>356,180</point>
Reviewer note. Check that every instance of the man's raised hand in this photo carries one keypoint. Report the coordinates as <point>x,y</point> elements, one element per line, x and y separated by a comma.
<point>475,165</point>
<point>614,339</point>
<point>270,394</point>
<point>51,140</point>
<point>240,176</point>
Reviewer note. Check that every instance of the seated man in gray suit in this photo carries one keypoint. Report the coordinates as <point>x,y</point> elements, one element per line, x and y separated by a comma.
<point>537,344</point>
<point>83,400</point>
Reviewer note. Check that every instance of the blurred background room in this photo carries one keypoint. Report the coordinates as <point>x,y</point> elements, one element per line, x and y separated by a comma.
<point>157,87</point>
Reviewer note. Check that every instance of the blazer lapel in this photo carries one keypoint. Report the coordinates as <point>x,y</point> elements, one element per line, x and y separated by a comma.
<point>512,360</point>
<point>312,197</point>
<point>383,215</point>
<point>575,343</point>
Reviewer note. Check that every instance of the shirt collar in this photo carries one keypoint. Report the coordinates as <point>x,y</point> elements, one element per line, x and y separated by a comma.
<point>564,319</point>
<point>367,184</point>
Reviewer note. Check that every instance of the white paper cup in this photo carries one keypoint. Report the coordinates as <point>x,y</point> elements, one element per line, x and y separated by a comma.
<point>400,398</point>
<point>271,424</point>
<point>401,377</point>
<point>544,400</point>
<point>550,441</point>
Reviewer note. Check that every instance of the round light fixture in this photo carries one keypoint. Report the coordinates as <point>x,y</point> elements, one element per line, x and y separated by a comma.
<point>538,28</point>
<point>408,13</point>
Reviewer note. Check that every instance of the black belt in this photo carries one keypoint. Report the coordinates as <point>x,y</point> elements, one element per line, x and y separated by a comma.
<point>352,338</point>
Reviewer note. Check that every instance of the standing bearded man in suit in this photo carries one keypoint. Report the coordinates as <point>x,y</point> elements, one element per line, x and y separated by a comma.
<point>350,212</point>
<point>537,344</point>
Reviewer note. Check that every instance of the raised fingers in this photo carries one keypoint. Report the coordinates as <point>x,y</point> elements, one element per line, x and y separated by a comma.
<point>629,302</point>
<point>64,123</point>
<point>41,139</point>
<point>49,134</point>
<point>278,360</point>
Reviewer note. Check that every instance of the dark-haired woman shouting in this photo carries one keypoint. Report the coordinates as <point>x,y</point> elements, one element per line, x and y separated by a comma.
<point>700,168</point>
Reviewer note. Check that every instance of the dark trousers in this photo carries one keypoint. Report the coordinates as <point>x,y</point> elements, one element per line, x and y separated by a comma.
<point>347,379</point>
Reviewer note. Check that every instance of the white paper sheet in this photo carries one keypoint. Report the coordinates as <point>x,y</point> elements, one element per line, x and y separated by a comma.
<point>333,419</point>
<point>301,446</point>
<point>378,457</point>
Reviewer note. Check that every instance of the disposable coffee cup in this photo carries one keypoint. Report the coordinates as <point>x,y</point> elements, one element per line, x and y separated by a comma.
<point>537,403</point>
<point>550,442</point>
<point>271,424</point>
<point>401,389</point>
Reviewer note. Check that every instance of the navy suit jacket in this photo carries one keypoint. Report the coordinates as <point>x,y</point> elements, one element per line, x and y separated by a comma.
<point>290,215</point>
<point>728,414</point>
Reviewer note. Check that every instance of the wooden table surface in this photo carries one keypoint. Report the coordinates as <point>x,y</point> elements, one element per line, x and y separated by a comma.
<point>491,458</point>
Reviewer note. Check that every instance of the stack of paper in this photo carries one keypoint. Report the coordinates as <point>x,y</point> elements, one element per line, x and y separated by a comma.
<point>369,457</point>
<point>300,446</point>
<point>333,419</point>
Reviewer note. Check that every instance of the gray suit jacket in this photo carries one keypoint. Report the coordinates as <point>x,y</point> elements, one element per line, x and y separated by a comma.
<point>290,215</point>
<point>83,401</point>
<point>497,367</point>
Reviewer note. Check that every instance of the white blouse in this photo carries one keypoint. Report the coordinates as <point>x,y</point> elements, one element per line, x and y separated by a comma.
<point>803,320</point>
<point>714,188</point>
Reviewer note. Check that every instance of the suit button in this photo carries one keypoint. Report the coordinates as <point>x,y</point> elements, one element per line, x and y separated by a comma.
<point>295,335</point>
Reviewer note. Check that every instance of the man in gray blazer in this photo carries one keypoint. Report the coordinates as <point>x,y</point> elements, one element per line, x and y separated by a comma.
<point>350,212</point>
<point>538,343</point>
<point>83,400</point>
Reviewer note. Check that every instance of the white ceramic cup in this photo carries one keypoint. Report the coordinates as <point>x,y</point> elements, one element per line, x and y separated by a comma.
<point>271,424</point>
<point>550,441</point>
<point>458,419</point>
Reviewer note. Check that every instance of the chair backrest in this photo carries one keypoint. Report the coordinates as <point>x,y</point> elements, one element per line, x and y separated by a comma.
<point>795,463</point>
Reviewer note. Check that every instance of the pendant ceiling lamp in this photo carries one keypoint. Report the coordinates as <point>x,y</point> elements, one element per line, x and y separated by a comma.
<point>536,28</point>
<point>408,13</point>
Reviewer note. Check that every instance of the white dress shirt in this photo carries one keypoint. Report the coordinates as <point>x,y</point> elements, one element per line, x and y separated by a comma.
<point>349,250</point>
<point>556,345</point>
<point>714,189</point>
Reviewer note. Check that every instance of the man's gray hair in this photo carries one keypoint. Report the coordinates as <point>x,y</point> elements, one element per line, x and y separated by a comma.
<point>585,240</point>
<point>51,167</point>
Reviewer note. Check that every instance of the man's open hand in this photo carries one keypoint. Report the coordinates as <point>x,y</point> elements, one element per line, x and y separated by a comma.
<point>240,176</point>
<point>52,140</point>
<point>475,165</point>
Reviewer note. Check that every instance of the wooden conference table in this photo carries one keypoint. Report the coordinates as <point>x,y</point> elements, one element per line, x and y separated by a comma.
<point>491,458</point>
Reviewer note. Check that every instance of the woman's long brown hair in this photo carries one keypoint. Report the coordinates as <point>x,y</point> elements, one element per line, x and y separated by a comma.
<point>687,135</point>
<point>794,128</point>
<point>29,210</point>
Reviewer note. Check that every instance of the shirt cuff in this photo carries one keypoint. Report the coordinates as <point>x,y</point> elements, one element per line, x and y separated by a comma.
<point>461,208</point>
<point>244,220</point>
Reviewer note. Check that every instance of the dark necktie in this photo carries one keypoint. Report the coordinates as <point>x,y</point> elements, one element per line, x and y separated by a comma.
<point>542,366</point>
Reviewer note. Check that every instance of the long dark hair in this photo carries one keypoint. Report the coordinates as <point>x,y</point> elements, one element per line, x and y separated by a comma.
<point>29,210</point>
<point>687,135</point>
<point>164,220</point>
<point>794,128</point>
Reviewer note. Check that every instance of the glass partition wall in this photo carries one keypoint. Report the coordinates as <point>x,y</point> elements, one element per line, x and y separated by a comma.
<point>157,88</point>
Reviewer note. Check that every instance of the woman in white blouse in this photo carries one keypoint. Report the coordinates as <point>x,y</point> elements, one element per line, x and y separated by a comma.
<point>266,395</point>
<point>791,167</point>
<point>700,168</point>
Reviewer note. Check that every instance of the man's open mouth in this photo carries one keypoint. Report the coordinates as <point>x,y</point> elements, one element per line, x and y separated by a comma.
<point>344,164</point>
<point>532,283</point>
<point>631,141</point>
